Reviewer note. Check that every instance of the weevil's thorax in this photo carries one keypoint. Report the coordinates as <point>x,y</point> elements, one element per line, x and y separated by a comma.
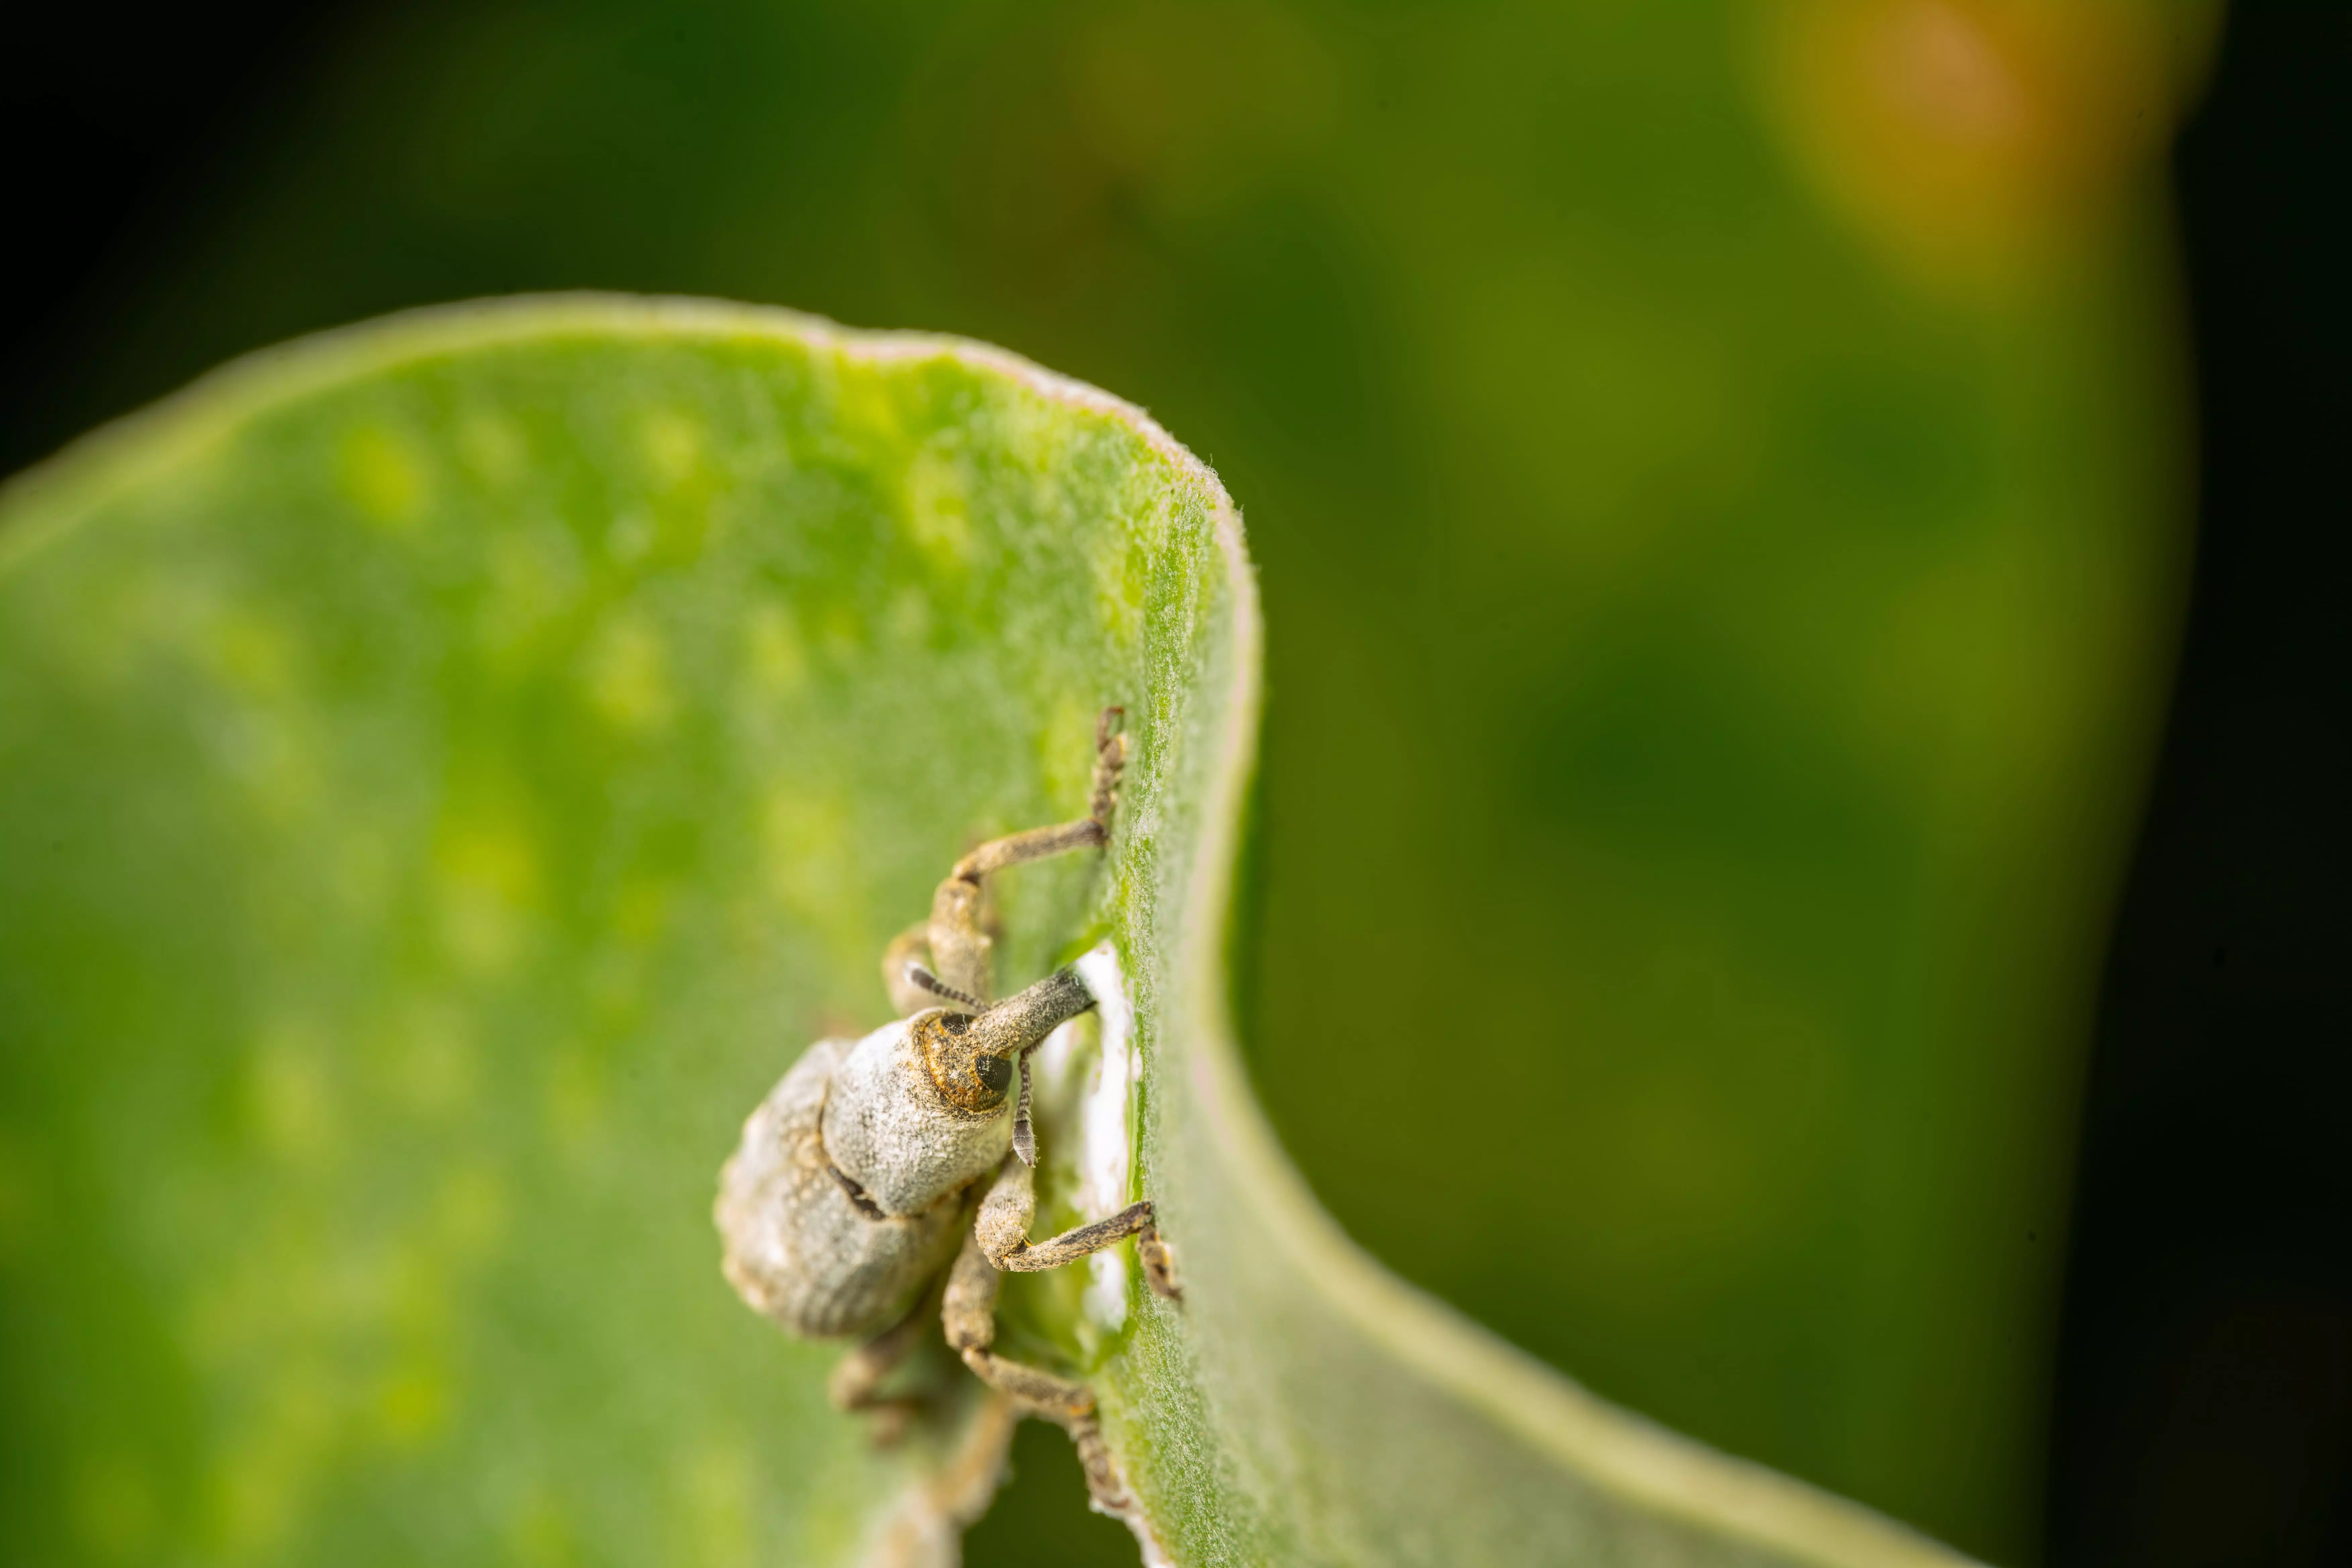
<point>913,1114</point>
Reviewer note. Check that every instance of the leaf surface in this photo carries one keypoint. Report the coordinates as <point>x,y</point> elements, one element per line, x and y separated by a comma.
<point>449,769</point>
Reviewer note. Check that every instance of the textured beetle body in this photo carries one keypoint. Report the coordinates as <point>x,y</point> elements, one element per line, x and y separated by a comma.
<point>798,1246</point>
<point>860,1178</point>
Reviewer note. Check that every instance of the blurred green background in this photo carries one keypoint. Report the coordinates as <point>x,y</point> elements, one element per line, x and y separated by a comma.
<point>1719,475</point>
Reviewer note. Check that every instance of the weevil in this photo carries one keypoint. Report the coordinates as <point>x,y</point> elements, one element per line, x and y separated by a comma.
<point>889,1177</point>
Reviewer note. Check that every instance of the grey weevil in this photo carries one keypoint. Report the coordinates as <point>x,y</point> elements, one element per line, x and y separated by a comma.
<point>854,1206</point>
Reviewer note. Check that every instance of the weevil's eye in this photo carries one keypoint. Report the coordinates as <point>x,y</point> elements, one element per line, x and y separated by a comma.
<point>995,1073</point>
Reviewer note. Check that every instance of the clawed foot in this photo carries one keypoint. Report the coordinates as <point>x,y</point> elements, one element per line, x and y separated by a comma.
<point>1110,756</point>
<point>1105,1486</point>
<point>1159,1260</point>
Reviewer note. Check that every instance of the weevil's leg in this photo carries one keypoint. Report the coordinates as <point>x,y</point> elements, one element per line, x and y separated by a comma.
<point>913,986</point>
<point>1159,1260</point>
<point>1037,844</point>
<point>1135,1220</point>
<point>960,943</point>
<point>1104,1483</point>
<point>969,1315</point>
<point>1002,1232</point>
<point>854,1380</point>
<point>1087,833</point>
<point>910,946</point>
<point>856,1384</point>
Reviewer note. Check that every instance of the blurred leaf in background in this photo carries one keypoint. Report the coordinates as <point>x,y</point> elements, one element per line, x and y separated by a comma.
<point>1717,472</point>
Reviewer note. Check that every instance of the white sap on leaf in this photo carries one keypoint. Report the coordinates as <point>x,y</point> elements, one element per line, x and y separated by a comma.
<point>1086,1096</point>
<point>1106,1122</point>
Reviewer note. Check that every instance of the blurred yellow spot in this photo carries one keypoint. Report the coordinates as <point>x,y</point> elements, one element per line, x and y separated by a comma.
<point>535,575</point>
<point>673,446</point>
<point>806,839</point>
<point>866,413</point>
<point>253,654</point>
<point>812,868</point>
<point>713,1493</point>
<point>412,1405</point>
<point>255,1492</point>
<point>265,738</point>
<point>381,476</point>
<point>939,507</point>
<point>628,675</point>
<point>1972,140</point>
<point>487,879</point>
<point>540,1535</point>
<point>641,913</point>
<point>114,1508</point>
<point>771,648</point>
<point>469,1215</point>
<point>1035,437</point>
<point>1123,578</point>
<point>493,445</point>
<point>290,1094</point>
<point>841,634</point>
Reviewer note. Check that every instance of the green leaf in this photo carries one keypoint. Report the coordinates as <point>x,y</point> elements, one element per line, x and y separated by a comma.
<point>449,769</point>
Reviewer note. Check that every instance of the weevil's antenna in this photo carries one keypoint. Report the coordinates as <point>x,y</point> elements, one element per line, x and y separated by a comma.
<point>1024,1136</point>
<point>926,981</point>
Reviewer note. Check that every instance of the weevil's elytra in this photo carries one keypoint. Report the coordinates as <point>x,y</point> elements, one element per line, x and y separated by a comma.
<point>888,1175</point>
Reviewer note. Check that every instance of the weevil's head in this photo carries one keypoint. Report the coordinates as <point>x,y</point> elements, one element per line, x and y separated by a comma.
<point>968,1076</point>
<point>920,1107</point>
<point>971,1056</point>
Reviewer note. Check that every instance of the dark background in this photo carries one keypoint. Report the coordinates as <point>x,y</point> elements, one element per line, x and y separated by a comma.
<point>2205,1393</point>
<point>2204,1398</point>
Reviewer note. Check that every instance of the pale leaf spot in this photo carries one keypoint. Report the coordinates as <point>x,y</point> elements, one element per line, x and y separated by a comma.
<point>380,474</point>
